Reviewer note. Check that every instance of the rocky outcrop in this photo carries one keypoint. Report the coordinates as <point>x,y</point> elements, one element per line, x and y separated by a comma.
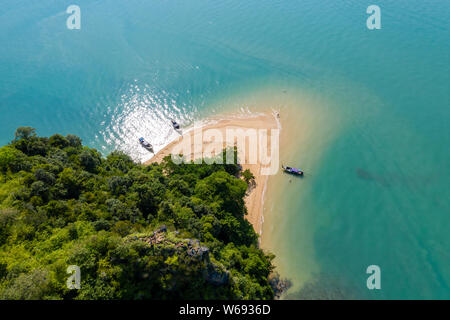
<point>279,285</point>
<point>213,273</point>
<point>157,237</point>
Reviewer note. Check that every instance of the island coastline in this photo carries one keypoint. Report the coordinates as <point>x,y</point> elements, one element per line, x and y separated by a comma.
<point>254,199</point>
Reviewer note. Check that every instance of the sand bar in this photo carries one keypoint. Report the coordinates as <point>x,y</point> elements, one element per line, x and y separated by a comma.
<point>255,195</point>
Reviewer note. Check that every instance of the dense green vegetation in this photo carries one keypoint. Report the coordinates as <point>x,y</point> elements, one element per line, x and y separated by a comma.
<point>62,203</point>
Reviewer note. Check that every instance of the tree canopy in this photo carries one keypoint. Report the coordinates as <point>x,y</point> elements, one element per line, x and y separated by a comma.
<point>163,231</point>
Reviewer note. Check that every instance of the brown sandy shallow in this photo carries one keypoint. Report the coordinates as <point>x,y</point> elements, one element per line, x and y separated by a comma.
<point>255,195</point>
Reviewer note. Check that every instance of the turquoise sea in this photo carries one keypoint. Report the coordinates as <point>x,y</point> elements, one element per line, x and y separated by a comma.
<point>378,192</point>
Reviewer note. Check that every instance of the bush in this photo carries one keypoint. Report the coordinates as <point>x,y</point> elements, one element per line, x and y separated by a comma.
<point>12,159</point>
<point>32,286</point>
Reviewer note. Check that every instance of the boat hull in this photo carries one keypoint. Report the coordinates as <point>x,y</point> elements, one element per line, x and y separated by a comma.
<point>293,171</point>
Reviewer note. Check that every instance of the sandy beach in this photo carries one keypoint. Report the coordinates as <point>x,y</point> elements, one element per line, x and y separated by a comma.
<point>263,120</point>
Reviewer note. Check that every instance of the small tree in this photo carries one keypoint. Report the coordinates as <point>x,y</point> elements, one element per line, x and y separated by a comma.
<point>74,141</point>
<point>248,176</point>
<point>58,141</point>
<point>24,133</point>
<point>28,286</point>
<point>11,158</point>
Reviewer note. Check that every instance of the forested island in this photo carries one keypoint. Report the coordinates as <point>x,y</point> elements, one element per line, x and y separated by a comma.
<point>162,231</point>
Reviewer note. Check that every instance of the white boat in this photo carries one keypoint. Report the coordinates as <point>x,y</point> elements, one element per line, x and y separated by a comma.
<point>175,125</point>
<point>146,144</point>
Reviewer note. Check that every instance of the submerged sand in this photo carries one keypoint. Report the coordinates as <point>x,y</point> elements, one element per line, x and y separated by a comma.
<point>254,199</point>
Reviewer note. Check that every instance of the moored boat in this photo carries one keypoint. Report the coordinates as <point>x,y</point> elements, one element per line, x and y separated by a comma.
<point>175,125</point>
<point>291,170</point>
<point>146,144</point>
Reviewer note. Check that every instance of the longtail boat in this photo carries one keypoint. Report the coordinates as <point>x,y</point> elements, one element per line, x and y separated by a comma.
<point>146,144</point>
<point>292,170</point>
<point>175,125</point>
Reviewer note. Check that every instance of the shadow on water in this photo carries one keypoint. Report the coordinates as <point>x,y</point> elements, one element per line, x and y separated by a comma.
<point>390,179</point>
<point>366,175</point>
<point>293,176</point>
<point>324,287</point>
